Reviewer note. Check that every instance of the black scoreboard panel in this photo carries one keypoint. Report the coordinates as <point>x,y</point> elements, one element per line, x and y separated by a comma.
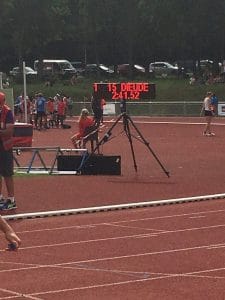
<point>124,90</point>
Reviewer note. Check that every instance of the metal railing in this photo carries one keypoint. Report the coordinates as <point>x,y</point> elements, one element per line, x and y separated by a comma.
<point>151,108</point>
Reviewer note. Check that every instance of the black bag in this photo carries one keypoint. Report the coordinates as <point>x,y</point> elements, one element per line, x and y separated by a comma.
<point>66,126</point>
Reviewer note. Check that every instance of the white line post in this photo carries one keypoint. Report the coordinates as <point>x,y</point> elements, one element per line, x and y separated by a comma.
<point>25,91</point>
<point>1,86</point>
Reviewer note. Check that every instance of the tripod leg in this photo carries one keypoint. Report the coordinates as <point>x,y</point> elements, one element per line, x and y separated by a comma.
<point>148,146</point>
<point>127,130</point>
<point>106,135</point>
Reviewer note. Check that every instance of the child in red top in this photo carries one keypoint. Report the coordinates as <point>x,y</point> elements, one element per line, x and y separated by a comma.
<point>50,111</point>
<point>50,105</point>
<point>84,121</point>
<point>61,111</point>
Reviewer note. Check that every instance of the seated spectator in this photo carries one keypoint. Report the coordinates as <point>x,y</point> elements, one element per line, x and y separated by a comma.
<point>84,122</point>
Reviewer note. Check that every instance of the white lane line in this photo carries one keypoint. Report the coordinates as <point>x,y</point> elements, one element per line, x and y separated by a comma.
<point>100,285</point>
<point>170,251</point>
<point>88,267</point>
<point>134,227</point>
<point>218,246</point>
<point>134,236</point>
<point>16,295</point>
<point>163,276</point>
<point>170,216</point>
<point>92,225</point>
<point>176,123</point>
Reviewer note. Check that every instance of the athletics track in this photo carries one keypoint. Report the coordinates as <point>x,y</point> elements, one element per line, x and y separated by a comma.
<point>157,252</point>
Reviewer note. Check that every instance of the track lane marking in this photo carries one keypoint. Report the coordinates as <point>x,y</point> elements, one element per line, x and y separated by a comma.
<point>92,225</point>
<point>165,276</point>
<point>15,295</point>
<point>206,247</point>
<point>134,227</point>
<point>120,237</point>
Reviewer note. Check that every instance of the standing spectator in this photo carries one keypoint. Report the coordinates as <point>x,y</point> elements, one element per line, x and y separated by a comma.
<point>97,111</point>
<point>6,154</point>
<point>65,100</point>
<point>102,103</point>
<point>28,110</point>
<point>73,80</point>
<point>214,102</point>
<point>192,80</point>
<point>50,111</point>
<point>70,106</point>
<point>208,113</point>
<point>34,111</point>
<point>41,111</point>
<point>61,112</point>
<point>18,108</point>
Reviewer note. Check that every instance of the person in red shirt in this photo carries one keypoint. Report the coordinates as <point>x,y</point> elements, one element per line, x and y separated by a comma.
<point>50,111</point>
<point>84,122</point>
<point>61,112</point>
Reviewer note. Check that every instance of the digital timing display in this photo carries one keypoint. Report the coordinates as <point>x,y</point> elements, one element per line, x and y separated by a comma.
<point>124,90</point>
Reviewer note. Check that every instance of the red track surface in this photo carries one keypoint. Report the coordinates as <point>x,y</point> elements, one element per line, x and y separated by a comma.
<point>195,163</point>
<point>166,252</point>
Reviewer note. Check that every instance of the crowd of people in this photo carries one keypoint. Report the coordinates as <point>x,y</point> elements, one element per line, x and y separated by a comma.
<point>43,113</point>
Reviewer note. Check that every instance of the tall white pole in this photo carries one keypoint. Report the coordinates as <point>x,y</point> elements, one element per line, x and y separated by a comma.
<point>1,87</point>
<point>25,91</point>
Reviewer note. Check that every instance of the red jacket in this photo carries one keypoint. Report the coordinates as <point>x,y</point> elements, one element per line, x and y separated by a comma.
<point>61,108</point>
<point>84,123</point>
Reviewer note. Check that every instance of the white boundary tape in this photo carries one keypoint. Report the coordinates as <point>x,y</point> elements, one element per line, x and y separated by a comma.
<point>111,207</point>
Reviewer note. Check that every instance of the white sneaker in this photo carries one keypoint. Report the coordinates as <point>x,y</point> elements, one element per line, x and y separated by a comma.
<point>206,134</point>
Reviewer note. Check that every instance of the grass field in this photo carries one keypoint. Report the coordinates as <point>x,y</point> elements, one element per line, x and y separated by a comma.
<point>169,89</point>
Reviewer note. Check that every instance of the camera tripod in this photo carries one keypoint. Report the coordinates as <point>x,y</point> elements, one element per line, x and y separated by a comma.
<point>126,128</point>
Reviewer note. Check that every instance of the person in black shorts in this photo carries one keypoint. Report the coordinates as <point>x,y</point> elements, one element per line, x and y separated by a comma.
<point>6,154</point>
<point>207,110</point>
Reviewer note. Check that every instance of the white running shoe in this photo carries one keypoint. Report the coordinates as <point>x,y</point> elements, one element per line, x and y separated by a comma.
<point>207,134</point>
